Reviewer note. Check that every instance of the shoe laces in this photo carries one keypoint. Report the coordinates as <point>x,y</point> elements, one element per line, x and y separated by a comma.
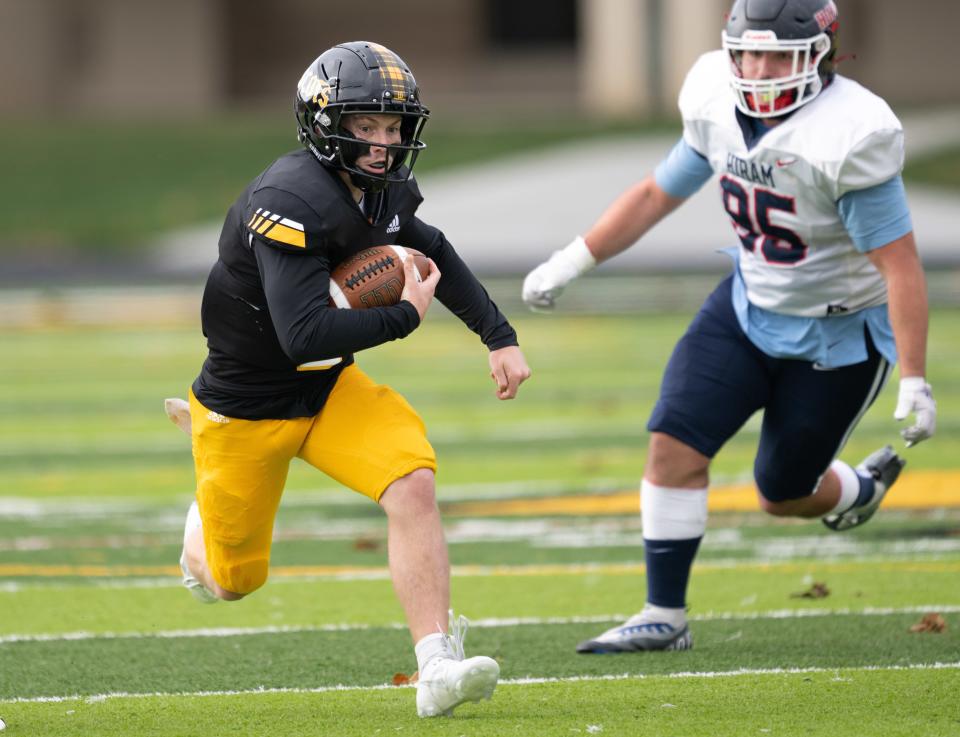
<point>453,649</point>
<point>456,634</point>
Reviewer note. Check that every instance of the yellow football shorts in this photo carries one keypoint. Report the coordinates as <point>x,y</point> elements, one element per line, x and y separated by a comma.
<point>366,437</point>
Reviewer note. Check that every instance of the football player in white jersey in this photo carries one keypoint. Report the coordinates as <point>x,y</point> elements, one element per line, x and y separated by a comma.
<point>827,292</point>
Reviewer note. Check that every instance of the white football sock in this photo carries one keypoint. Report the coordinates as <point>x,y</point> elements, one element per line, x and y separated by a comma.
<point>674,617</point>
<point>849,486</point>
<point>672,514</point>
<point>432,646</point>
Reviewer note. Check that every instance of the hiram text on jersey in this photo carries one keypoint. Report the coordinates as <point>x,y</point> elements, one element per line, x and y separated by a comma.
<point>751,170</point>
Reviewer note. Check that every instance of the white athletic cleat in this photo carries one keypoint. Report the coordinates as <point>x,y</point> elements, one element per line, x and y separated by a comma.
<point>178,410</point>
<point>190,583</point>
<point>446,683</point>
<point>884,466</point>
<point>449,680</point>
<point>642,632</point>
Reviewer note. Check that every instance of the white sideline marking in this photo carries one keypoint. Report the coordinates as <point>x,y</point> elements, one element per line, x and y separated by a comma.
<point>489,623</point>
<point>96,698</point>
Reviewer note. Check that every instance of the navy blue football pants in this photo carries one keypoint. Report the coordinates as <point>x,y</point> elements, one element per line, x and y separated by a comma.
<point>716,379</point>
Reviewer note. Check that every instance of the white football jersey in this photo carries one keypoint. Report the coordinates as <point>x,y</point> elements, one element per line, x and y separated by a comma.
<point>796,257</point>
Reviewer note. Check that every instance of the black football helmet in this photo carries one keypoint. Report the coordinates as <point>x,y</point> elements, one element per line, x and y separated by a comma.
<point>807,29</point>
<point>359,77</point>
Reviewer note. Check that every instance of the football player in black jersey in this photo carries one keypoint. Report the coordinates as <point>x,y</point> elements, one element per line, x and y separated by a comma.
<point>280,380</point>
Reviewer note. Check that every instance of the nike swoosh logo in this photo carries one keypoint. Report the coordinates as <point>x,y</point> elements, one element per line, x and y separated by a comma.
<point>786,162</point>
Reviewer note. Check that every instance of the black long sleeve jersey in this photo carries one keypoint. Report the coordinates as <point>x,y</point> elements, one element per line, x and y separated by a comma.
<point>266,312</point>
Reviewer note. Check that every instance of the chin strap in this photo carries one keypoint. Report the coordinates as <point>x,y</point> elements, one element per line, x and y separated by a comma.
<point>367,183</point>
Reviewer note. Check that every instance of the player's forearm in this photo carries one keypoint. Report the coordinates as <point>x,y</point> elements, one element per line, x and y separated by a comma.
<point>628,218</point>
<point>327,332</point>
<point>306,326</point>
<point>459,290</point>
<point>907,302</point>
<point>909,318</point>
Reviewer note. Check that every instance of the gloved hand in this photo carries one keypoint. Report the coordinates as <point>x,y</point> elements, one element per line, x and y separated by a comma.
<point>545,283</point>
<point>915,396</point>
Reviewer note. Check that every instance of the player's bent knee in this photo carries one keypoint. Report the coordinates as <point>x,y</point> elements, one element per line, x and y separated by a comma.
<point>414,492</point>
<point>674,464</point>
<point>776,509</point>
<point>783,495</point>
<point>421,478</point>
<point>792,507</point>
<point>225,595</point>
<point>239,580</point>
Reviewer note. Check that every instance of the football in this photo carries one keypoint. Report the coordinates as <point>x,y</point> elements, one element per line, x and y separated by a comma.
<point>373,277</point>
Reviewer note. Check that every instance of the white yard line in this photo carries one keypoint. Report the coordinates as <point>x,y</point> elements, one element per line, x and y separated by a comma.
<point>489,623</point>
<point>96,698</point>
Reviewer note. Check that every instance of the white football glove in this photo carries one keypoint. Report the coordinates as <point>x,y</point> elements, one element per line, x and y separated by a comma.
<point>545,283</point>
<point>915,396</point>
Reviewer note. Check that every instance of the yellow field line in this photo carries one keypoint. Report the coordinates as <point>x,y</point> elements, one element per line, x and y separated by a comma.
<point>917,490</point>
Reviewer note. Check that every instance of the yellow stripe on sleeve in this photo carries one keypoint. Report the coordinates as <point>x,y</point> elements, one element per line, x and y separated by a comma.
<point>290,236</point>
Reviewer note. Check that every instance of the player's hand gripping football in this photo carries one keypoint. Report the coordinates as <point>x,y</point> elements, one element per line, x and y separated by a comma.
<point>418,289</point>
<point>508,368</point>
<point>545,283</point>
<point>916,397</point>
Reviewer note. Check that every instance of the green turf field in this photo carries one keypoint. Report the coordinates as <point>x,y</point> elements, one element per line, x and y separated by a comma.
<point>97,638</point>
<point>82,407</point>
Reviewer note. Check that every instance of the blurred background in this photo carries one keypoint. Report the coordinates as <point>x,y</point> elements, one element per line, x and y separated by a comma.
<point>130,126</point>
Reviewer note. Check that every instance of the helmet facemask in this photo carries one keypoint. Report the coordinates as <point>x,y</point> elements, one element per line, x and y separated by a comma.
<point>770,98</point>
<point>341,148</point>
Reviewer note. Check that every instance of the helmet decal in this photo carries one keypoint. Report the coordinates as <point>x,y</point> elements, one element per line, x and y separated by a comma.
<point>759,36</point>
<point>396,79</point>
<point>314,89</point>
<point>826,16</point>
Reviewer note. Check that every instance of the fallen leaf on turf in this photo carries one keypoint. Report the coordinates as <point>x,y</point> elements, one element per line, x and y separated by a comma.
<point>402,679</point>
<point>816,591</point>
<point>931,622</point>
<point>366,543</point>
